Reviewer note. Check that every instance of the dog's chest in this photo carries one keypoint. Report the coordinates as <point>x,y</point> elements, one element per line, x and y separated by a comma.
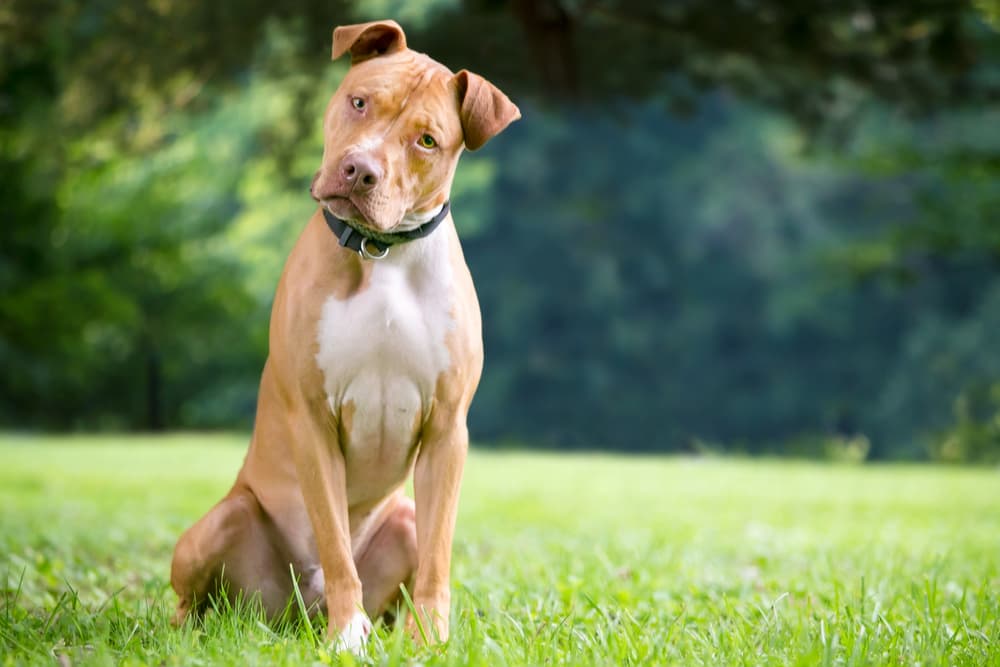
<point>381,352</point>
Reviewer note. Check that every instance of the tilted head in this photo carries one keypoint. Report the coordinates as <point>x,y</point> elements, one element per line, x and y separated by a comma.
<point>395,127</point>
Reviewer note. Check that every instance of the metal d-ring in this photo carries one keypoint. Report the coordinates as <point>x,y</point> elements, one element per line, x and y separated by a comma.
<point>367,253</point>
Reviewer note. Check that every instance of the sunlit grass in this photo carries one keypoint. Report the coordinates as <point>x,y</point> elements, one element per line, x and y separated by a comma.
<point>578,559</point>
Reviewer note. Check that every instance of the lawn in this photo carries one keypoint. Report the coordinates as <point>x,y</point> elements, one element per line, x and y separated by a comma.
<point>577,559</point>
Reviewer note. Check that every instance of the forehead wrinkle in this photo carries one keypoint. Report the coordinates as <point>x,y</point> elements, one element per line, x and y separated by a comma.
<point>382,86</point>
<point>381,82</point>
<point>421,82</point>
<point>441,111</point>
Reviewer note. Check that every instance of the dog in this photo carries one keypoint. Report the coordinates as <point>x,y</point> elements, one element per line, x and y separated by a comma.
<point>375,352</point>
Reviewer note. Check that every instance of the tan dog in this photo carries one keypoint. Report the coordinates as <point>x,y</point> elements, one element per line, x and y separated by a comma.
<point>375,353</point>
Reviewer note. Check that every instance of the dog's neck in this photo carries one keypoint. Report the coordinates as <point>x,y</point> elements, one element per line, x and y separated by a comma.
<point>420,254</point>
<point>375,245</point>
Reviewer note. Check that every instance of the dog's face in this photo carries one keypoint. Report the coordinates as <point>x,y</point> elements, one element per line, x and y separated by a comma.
<point>395,127</point>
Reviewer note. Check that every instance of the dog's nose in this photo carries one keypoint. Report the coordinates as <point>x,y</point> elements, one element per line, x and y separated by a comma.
<point>361,171</point>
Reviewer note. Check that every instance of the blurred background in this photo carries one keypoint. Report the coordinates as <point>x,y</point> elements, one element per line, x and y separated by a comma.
<point>755,226</point>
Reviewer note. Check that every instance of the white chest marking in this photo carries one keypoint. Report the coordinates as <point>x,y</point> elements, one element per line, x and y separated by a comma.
<point>383,349</point>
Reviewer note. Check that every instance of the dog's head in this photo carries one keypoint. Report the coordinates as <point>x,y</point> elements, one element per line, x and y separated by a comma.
<point>395,127</point>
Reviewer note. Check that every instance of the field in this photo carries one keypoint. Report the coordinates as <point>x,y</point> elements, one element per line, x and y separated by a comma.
<point>581,559</point>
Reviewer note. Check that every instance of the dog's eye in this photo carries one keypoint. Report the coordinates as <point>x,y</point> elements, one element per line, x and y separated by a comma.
<point>427,141</point>
<point>357,103</point>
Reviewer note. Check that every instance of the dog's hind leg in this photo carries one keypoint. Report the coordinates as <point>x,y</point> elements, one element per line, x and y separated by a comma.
<point>230,550</point>
<point>389,558</point>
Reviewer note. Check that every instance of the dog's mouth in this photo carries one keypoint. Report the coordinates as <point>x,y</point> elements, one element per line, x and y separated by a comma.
<point>347,210</point>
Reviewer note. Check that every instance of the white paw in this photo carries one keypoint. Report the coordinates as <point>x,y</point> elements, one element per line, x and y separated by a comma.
<point>355,635</point>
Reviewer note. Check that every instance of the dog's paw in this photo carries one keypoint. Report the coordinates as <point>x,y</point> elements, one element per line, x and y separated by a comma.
<point>182,613</point>
<point>432,629</point>
<point>355,634</point>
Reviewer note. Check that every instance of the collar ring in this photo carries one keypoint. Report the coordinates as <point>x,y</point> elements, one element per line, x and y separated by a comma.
<point>367,254</point>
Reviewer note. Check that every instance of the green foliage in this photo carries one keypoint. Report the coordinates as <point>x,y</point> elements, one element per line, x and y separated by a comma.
<point>648,281</point>
<point>990,10</point>
<point>145,280</point>
<point>705,286</point>
<point>975,435</point>
<point>558,559</point>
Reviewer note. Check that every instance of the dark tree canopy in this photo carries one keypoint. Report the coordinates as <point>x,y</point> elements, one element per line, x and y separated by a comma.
<point>807,58</point>
<point>804,57</point>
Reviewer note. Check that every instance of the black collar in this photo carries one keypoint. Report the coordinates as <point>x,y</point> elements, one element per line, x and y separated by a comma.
<point>375,246</point>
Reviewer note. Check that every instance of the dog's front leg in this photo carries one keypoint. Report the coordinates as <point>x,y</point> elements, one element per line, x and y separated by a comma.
<point>319,462</point>
<point>436,480</point>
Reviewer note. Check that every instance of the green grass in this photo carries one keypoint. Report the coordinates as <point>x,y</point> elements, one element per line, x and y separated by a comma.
<point>558,560</point>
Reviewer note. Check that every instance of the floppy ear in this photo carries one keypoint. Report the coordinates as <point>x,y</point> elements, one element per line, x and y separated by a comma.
<point>367,40</point>
<point>485,111</point>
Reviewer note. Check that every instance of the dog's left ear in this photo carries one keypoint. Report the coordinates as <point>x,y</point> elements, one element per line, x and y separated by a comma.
<point>485,111</point>
<point>367,40</point>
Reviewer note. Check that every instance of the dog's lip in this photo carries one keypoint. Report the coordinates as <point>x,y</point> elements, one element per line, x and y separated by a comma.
<point>345,209</point>
<point>352,213</point>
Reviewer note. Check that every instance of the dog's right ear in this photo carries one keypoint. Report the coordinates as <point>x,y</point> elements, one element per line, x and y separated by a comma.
<point>367,40</point>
